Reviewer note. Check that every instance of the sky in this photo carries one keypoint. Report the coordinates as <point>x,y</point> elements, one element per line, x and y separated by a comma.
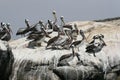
<point>16,11</point>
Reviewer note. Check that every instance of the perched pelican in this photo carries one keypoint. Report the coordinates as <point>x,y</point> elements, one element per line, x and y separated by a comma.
<point>5,33</point>
<point>78,43</point>
<point>75,32</point>
<point>54,25</point>
<point>56,41</point>
<point>64,59</point>
<point>55,17</point>
<point>27,23</point>
<point>23,31</point>
<point>32,27</point>
<point>42,25</point>
<point>38,38</point>
<point>50,24</point>
<point>68,41</point>
<point>2,24</point>
<point>64,25</point>
<point>8,27</point>
<point>94,47</point>
<point>62,21</point>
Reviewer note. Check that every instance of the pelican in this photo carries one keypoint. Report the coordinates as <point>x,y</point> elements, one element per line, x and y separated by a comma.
<point>8,27</point>
<point>68,41</point>
<point>75,32</point>
<point>57,40</point>
<point>32,27</point>
<point>27,23</point>
<point>2,25</point>
<point>62,21</point>
<point>64,59</point>
<point>23,31</point>
<point>96,47</point>
<point>38,38</point>
<point>64,25</point>
<point>55,17</point>
<point>5,33</point>
<point>52,40</point>
<point>78,43</point>
<point>50,24</point>
<point>54,26</point>
<point>42,25</point>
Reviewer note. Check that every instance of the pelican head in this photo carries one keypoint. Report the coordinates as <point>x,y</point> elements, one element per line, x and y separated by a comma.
<point>101,35</point>
<point>27,23</point>
<point>26,20</point>
<point>81,32</point>
<point>96,37</point>
<point>2,24</point>
<point>54,12</point>
<point>61,17</point>
<point>40,21</point>
<point>8,24</point>
<point>55,17</point>
<point>83,36</point>
<point>8,27</point>
<point>49,22</point>
<point>77,31</point>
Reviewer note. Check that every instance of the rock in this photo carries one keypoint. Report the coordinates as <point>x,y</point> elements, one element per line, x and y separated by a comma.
<point>78,73</point>
<point>6,61</point>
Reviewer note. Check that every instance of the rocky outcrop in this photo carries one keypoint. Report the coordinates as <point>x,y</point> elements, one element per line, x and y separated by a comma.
<point>108,19</point>
<point>41,64</point>
<point>78,73</point>
<point>6,61</point>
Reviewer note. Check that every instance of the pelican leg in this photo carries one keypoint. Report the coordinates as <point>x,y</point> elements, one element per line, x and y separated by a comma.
<point>78,49</point>
<point>94,55</point>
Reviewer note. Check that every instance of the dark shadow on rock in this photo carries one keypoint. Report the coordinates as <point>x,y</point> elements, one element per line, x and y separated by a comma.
<point>6,62</point>
<point>83,73</point>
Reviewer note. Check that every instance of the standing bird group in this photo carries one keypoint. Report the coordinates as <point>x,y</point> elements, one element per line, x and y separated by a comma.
<point>66,37</point>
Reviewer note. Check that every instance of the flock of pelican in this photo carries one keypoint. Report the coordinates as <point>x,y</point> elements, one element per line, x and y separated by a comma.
<point>66,37</point>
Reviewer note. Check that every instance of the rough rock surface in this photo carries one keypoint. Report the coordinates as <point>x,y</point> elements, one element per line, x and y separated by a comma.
<point>6,61</point>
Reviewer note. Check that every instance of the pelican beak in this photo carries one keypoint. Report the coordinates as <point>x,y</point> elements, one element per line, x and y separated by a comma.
<point>7,30</point>
<point>86,39</point>
<point>11,31</point>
